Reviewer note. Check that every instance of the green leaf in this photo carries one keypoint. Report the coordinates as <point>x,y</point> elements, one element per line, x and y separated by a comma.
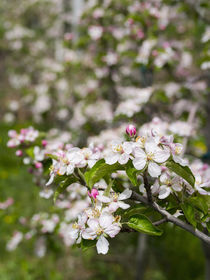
<point>182,171</point>
<point>200,203</point>
<point>131,172</point>
<point>86,244</point>
<point>63,185</point>
<point>52,156</point>
<point>189,213</point>
<point>30,152</point>
<point>99,171</point>
<point>142,224</point>
<point>135,209</point>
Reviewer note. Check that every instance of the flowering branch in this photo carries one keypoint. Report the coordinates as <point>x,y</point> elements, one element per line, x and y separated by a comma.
<point>171,218</point>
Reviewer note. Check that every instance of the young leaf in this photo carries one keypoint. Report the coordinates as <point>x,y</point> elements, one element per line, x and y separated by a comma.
<point>189,213</point>
<point>86,244</point>
<point>200,203</point>
<point>142,224</point>
<point>182,171</point>
<point>63,185</point>
<point>131,172</point>
<point>99,171</point>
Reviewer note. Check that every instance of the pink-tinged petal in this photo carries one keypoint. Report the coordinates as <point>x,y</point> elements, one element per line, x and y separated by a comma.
<point>113,230</point>
<point>105,220</point>
<point>139,153</point>
<point>177,187</point>
<point>139,163</point>
<point>123,159</point>
<point>164,192</point>
<point>161,156</point>
<point>112,158</point>
<point>125,194</point>
<point>102,245</point>
<point>154,169</point>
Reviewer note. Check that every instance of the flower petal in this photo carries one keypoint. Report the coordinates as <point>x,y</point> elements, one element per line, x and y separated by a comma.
<point>102,245</point>
<point>125,194</point>
<point>154,169</point>
<point>139,163</point>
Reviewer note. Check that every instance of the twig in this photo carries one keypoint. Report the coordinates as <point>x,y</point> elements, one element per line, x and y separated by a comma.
<point>147,187</point>
<point>157,223</point>
<point>171,218</point>
<point>190,121</point>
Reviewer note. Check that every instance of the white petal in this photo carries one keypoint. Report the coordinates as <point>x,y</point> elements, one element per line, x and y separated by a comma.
<point>154,169</point>
<point>102,245</point>
<point>93,224</point>
<point>113,206</point>
<point>127,147</point>
<point>105,220</point>
<point>89,234</point>
<point>70,169</point>
<point>111,158</point>
<point>123,205</point>
<point>123,159</point>
<point>50,180</point>
<point>139,153</point>
<point>125,194</point>
<point>103,198</point>
<point>164,192</point>
<point>139,163</point>
<point>150,147</point>
<point>161,155</point>
<point>113,230</point>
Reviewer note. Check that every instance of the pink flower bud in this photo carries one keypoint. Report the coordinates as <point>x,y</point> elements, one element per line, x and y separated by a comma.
<point>94,193</point>
<point>44,143</point>
<point>19,153</point>
<point>131,130</point>
<point>38,165</point>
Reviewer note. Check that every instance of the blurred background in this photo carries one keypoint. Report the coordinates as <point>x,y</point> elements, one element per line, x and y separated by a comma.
<point>81,70</point>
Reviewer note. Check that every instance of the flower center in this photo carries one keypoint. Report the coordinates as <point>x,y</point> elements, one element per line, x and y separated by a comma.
<point>99,231</point>
<point>119,148</point>
<point>150,156</point>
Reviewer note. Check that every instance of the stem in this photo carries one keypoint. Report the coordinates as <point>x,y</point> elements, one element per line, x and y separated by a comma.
<point>147,187</point>
<point>170,218</point>
<point>157,223</point>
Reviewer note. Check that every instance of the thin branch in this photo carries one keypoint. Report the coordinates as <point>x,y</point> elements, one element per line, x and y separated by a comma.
<point>190,121</point>
<point>171,218</point>
<point>147,187</point>
<point>157,223</point>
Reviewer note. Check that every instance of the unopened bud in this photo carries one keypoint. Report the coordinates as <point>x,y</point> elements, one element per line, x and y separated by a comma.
<point>19,153</point>
<point>131,130</point>
<point>94,193</point>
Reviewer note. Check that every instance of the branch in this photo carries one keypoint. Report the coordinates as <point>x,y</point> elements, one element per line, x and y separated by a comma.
<point>190,121</point>
<point>171,218</point>
<point>147,187</point>
<point>157,223</point>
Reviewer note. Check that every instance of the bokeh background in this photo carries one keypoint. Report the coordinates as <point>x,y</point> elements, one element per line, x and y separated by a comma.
<point>77,69</point>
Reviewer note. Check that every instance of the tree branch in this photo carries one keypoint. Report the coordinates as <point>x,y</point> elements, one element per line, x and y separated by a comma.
<point>171,218</point>
<point>157,223</point>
